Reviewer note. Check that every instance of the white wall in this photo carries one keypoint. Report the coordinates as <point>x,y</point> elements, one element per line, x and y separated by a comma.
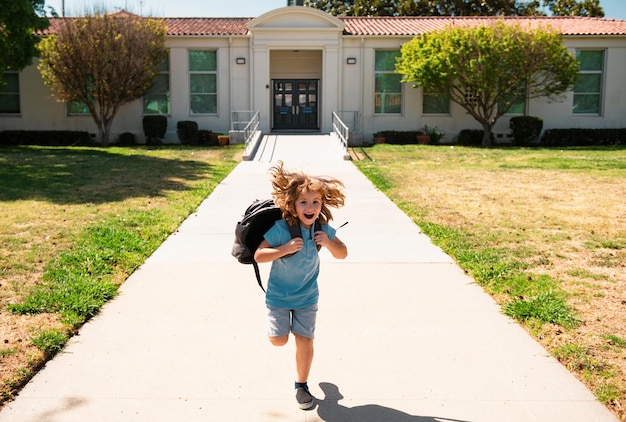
<point>344,87</point>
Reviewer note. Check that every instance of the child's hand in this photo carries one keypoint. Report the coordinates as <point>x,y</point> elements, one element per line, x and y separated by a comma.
<point>294,245</point>
<point>336,247</point>
<point>321,238</point>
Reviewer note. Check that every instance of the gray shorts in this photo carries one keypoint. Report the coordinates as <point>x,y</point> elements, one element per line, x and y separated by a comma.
<point>282,321</point>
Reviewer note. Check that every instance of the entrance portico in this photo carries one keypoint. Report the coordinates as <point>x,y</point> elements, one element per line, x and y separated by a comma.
<point>295,69</point>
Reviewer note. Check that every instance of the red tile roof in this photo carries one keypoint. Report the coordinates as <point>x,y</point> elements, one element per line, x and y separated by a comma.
<point>207,26</point>
<point>391,26</point>
<point>186,26</point>
<point>406,25</point>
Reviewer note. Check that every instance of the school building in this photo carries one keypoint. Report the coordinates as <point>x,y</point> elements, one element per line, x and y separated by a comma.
<point>295,66</point>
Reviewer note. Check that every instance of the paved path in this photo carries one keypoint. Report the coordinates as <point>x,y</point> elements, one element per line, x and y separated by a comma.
<point>403,335</point>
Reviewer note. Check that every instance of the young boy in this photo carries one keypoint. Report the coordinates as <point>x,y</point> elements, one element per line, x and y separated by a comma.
<point>292,291</point>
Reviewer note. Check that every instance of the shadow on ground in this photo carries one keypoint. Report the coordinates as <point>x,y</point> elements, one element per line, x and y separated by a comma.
<point>90,175</point>
<point>330,410</point>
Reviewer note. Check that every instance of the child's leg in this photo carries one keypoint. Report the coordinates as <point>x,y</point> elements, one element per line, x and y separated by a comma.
<point>304,357</point>
<point>278,325</point>
<point>279,340</point>
<point>303,327</point>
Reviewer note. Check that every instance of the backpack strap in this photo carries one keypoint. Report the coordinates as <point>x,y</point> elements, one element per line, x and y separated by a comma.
<point>257,272</point>
<point>295,231</point>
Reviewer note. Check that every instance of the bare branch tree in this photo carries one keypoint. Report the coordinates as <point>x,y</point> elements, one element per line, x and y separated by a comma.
<point>103,61</point>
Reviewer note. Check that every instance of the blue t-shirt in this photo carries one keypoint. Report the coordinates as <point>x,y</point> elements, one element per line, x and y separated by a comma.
<point>293,279</point>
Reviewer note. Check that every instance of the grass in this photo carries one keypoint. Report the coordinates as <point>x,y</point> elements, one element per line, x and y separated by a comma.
<point>50,342</point>
<point>74,224</point>
<point>541,230</point>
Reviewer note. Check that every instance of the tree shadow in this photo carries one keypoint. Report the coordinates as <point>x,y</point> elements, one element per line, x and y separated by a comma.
<point>330,410</point>
<point>75,176</point>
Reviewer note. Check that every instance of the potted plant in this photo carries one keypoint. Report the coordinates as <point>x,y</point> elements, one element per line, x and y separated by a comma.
<point>422,138</point>
<point>379,138</point>
<point>223,140</point>
<point>432,134</point>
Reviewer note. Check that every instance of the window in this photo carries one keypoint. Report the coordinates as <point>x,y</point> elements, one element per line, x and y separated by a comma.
<point>388,88</point>
<point>203,81</point>
<point>519,105</point>
<point>77,108</point>
<point>588,87</point>
<point>157,99</point>
<point>434,102</point>
<point>10,93</point>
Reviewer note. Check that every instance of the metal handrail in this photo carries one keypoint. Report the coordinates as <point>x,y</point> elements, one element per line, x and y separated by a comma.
<point>342,132</point>
<point>249,130</point>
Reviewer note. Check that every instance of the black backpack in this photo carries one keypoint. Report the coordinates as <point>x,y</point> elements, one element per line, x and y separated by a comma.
<point>257,220</point>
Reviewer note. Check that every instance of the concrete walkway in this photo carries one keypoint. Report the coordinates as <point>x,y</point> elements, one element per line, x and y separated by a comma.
<point>403,335</point>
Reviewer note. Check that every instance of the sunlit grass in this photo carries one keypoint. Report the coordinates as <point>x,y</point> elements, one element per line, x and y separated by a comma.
<point>541,230</point>
<point>75,223</point>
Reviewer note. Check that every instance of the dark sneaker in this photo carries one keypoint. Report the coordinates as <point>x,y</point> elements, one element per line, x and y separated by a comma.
<point>305,400</point>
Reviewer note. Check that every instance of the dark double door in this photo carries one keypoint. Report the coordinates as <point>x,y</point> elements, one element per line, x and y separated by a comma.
<point>295,103</point>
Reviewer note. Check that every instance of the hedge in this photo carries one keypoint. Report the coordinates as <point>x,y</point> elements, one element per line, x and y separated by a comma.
<point>583,137</point>
<point>44,137</point>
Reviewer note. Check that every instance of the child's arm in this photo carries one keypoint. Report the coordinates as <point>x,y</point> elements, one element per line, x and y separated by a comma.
<point>336,247</point>
<point>266,253</point>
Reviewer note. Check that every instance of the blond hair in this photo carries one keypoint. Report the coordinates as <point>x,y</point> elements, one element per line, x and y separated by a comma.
<point>289,185</point>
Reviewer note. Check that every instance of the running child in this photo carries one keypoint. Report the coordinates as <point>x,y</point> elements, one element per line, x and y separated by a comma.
<point>292,291</point>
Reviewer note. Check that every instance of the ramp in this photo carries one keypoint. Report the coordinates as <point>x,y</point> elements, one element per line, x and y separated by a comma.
<point>298,149</point>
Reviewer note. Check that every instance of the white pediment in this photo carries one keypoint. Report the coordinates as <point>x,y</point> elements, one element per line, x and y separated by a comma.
<point>296,17</point>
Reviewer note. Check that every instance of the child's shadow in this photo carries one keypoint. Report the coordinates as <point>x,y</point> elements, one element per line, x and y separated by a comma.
<point>330,410</point>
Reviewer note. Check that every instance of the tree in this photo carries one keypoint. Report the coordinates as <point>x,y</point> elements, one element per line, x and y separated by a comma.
<point>590,8</point>
<point>103,61</point>
<point>421,7</point>
<point>457,7</point>
<point>487,69</point>
<point>476,7</point>
<point>20,20</point>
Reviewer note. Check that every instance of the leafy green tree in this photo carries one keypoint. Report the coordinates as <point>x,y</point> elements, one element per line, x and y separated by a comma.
<point>458,7</point>
<point>19,22</point>
<point>590,8</point>
<point>487,69</point>
<point>103,61</point>
<point>478,7</point>
<point>423,7</point>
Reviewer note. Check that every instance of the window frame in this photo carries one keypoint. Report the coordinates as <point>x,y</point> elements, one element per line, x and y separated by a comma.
<point>145,101</point>
<point>387,73</point>
<point>435,94</point>
<point>70,104</point>
<point>203,94</point>
<point>522,101</point>
<point>590,72</point>
<point>4,92</point>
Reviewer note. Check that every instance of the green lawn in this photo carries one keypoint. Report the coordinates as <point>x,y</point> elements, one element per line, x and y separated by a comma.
<point>74,224</point>
<point>542,230</point>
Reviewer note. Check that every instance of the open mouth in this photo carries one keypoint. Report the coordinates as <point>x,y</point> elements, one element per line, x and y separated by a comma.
<point>309,216</point>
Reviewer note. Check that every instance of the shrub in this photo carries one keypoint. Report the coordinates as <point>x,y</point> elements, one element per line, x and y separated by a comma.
<point>44,137</point>
<point>583,137</point>
<point>127,139</point>
<point>187,131</point>
<point>470,137</point>
<point>154,128</point>
<point>526,129</point>
<point>398,137</point>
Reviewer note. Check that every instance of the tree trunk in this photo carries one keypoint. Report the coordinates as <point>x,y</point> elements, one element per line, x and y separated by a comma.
<point>487,128</point>
<point>105,130</point>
